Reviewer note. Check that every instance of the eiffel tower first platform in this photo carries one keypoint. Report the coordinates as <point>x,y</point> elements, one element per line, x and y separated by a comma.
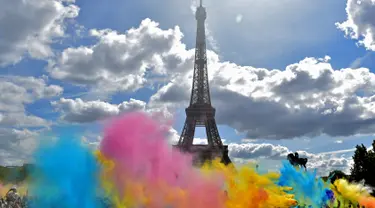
<point>200,111</point>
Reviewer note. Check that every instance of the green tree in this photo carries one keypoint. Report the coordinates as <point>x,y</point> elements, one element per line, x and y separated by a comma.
<point>370,167</point>
<point>360,159</point>
<point>364,165</point>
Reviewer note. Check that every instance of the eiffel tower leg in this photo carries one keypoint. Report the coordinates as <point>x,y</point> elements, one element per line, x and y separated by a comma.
<point>226,159</point>
<point>187,136</point>
<point>214,140</point>
<point>212,132</point>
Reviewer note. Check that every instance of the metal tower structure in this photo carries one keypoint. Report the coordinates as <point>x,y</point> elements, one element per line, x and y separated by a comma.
<point>200,111</point>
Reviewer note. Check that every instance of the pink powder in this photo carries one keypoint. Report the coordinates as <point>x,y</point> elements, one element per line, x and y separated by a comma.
<point>137,145</point>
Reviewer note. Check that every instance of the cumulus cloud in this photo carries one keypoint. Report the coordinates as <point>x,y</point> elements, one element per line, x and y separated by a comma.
<point>360,23</point>
<point>323,162</point>
<point>173,136</point>
<point>308,98</point>
<point>16,141</point>
<point>16,91</point>
<point>16,145</point>
<point>121,62</point>
<point>30,27</point>
<point>80,111</point>
<point>20,119</point>
<point>252,150</point>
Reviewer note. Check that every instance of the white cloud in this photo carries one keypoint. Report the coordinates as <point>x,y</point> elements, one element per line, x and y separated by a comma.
<point>360,23</point>
<point>16,91</point>
<point>252,151</point>
<point>17,142</point>
<point>21,120</point>
<point>121,62</point>
<point>173,136</point>
<point>81,112</point>
<point>308,98</point>
<point>16,145</point>
<point>323,163</point>
<point>30,27</point>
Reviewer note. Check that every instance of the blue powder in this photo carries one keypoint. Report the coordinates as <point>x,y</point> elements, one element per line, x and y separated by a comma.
<point>306,186</point>
<point>65,176</point>
<point>330,196</point>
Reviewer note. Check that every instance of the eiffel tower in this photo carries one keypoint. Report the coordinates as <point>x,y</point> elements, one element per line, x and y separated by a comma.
<point>200,111</point>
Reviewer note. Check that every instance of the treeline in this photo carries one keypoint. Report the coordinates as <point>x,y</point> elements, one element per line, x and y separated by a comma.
<point>364,165</point>
<point>14,174</point>
<point>363,168</point>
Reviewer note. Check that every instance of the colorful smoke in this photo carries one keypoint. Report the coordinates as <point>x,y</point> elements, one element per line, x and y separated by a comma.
<point>351,193</point>
<point>65,175</point>
<point>135,167</point>
<point>307,187</point>
<point>148,172</point>
<point>247,188</point>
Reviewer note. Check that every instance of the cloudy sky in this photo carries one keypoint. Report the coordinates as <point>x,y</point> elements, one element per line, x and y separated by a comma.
<point>285,75</point>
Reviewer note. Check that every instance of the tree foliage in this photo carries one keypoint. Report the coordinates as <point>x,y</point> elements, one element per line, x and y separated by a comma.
<point>360,159</point>
<point>364,165</point>
<point>13,174</point>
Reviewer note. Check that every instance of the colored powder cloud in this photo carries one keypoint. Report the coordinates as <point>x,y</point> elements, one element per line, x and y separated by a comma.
<point>352,193</point>
<point>247,188</point>
<point>148,172</point>
<point>307,187</point>
<point>65,175</point>
<point>136,167</point>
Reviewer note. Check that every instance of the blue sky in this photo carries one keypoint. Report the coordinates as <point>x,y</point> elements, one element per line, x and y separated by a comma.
<point>262,34</point>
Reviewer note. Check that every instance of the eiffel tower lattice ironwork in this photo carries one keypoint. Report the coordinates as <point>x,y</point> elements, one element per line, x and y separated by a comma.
<point>200,111</point>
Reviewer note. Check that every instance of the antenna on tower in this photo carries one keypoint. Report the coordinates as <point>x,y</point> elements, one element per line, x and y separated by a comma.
<point>200,3</point>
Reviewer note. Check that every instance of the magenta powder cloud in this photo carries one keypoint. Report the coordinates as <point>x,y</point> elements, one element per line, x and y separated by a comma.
<point>137,145</point>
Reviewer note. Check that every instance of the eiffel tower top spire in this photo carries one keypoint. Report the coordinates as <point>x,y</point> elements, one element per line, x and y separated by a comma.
<point>200,94</point>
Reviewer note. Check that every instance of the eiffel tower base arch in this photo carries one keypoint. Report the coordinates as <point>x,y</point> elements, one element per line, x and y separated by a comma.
<point>205,154</point>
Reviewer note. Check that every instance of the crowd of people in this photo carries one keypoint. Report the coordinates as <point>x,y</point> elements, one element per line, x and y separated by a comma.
<point>12,199</point>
